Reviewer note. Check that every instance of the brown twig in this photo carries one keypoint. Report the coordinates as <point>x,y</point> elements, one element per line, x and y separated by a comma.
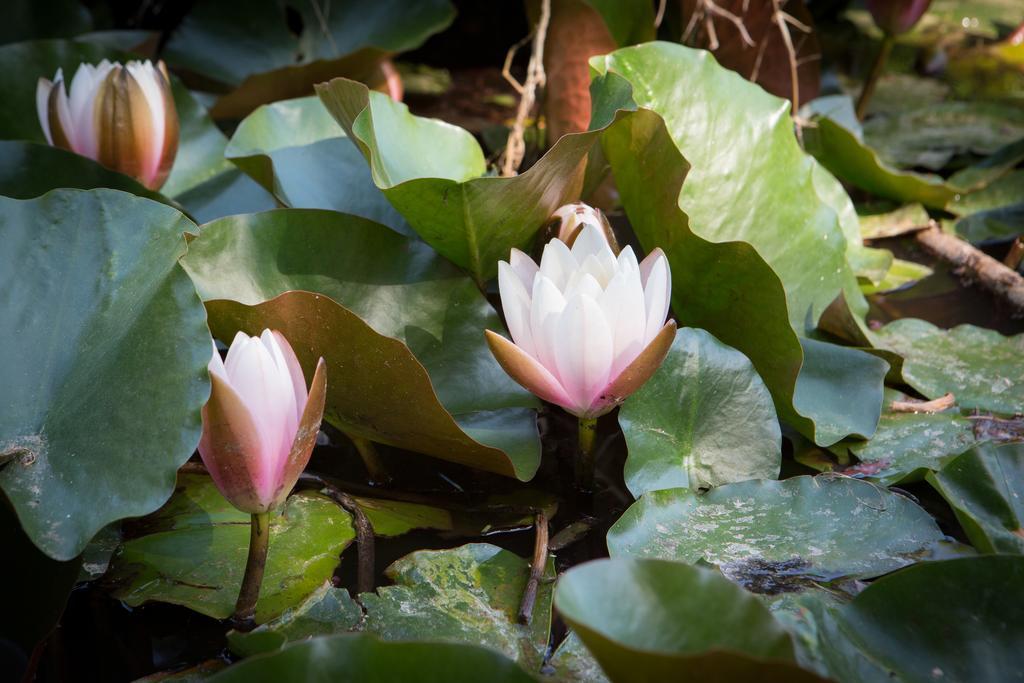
<point>934,406</point>
<point>515,148</point>
<point>987,271</point>
<point>537,567</point>
<point>1015,255</point>
<point>362,524</point>
<point>784,20</point>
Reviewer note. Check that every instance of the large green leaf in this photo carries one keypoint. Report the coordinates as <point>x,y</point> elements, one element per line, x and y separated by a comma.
<point>193,551</point>
<point>270,56</point>
<point>985,487</point>
<point>774,536</point>
<point>105,350</point>
<point>758,270</point>
<point>431,172</point>
<point>956,620</point>
<point>469,594</point>
<point>835,139</point>
<point>656,620</point>
<point>980,367</point>
<point>705,418</point>
<point>299,153</point>
<point>573,662</point>
<point>401,331</point>
<point>361,658</point>
<point>28,19</point>
<point>201,147</point>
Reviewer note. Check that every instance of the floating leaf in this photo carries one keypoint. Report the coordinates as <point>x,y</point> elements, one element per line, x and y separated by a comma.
<point>842,150</point>
<point>388,315</point>
<point>201,146</point>
<point>900,274</point>
<point>327,611</point>
<point>984,487</point>
<point>96,314</point>
<point>893,223</point>
<point>1003,223</point>
<point>989,169</point>
<point>270,56</point>
<point>225,194</point>
<point>651,624</point>
<point>469,594</point>
<point>756,271</point>
<point>980,367</point>
<point>432,173</point>
<point>193,552</point>
<point>779,536</point>
<point>956,620</point>
<point>572,661</point>
<point>298,152</point>
<point>705,418</point>
<point>394,518</point>
<point>361,658</point>
<point>1006,191</point>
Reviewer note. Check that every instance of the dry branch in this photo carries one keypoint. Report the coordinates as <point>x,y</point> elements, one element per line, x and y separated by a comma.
<point>515,149</point>
<point>937,405</point>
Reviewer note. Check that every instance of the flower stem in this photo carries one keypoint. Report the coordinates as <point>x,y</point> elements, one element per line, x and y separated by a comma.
<point>876,72</point>
<point>371,459</point>
<point>585,458</point>
<point>259,543</point>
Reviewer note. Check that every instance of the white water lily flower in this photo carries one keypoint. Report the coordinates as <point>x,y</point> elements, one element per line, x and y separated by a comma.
<point>120,116</point>
<point>568,221</point>
<point>589,327</point>
<point>260,424</point>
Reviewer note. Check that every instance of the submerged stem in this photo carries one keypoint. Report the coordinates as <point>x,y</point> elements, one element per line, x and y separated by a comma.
<point>876,72</point>
<point>585,457</point>
<point>371,459</point>
<point>259,543</point>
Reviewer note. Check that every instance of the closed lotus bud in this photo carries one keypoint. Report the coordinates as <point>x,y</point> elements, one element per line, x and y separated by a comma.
<point>897,16</point>
<point>589,327</point>
<point>120,116</point>
<point>260,423</point>
<point>567,222</point>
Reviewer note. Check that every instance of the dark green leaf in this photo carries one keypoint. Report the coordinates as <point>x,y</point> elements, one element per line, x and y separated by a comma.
<point>778,536</point>
<point>193,552</point>
<point>1006,191</point>
<point>573,662</point>
<point>985,487</point>
<point>388,315</point>
<point>1006,222</point>
<point>980,367</point>
<point>705,418</point>
<point>225,194</point>
<point>651,620</point>
<point>628,22</point>
<point>364,659</point>
<point>105,347</point>
<point>469,594</point>
<point>756,271</point>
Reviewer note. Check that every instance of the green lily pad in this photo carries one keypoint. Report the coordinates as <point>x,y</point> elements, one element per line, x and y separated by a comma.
<point>980,367</point>
<point>705,418</point>
<point>388,315</point>
<point>193,552</point>
<point>201,146</point>
<point>893,223</point>
<point>432,172</point>
<point>394,518</point>
<point>225,194</point>
<point>299,153</point>
<point>26,19</point>
<point>96,314</point>
<point>930,136</point>
<point>327,611</point>
<point>780,536</point>
<point>271,56</point>
<point>956,620</point>
<point>362,658</point>
<point>469,594</point>
<point>756,271</point>
<point>835,141</point>
<point>1003,223</point>
<point>984,487</point>
<point>1006,191</point>
<point>989,169</point>
<point>900,274</point>
<point>652,623</point>
<point>573,662</point>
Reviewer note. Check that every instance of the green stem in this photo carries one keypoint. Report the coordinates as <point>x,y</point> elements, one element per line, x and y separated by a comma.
<point>585,458</point>
<point>259,543</point>
<point>371,459</point>
<point>876,72</point>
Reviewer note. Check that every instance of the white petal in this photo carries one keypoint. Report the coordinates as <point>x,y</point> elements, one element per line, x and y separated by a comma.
<point>546,305</point>
<point>43,88</point>
<point>515,301</point>
<point>146,75</point>
<point>557,263</point>
<point>289,399</point>
<point>216,365</point>
<point>583,351</point>
<point>623,306</point>
<point>524,267</point>
<point>657,291</point>
<point>591,241</point>
<point>82,90</point>
<point>583,283</point>
<point>295,370</point>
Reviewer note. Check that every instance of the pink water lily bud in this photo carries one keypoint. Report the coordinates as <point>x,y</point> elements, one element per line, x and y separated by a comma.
<point>589,327</point>
<point>897,16</point>
<point>120,116</point>
<point>260,424</point>
<point>567,222</point>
